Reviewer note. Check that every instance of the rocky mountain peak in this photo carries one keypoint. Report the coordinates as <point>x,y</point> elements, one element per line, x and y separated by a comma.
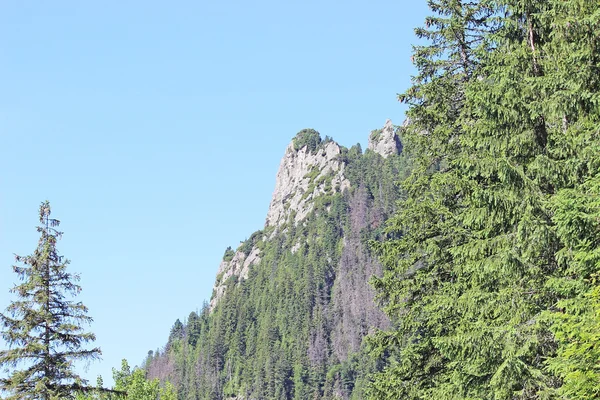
<point>385,141</point>
<point>310,167</point>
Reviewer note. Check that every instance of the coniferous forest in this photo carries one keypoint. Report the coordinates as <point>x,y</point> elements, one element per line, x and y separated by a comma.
<point>464,264</point>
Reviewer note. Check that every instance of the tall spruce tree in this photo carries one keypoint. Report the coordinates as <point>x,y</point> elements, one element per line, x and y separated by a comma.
<point>417,254</point>
<point>498,342</point>
<point>533,162</point>
<point>572,87</point>
<point>469,277</point>
<point>43,328</point>
<point>492,261</point>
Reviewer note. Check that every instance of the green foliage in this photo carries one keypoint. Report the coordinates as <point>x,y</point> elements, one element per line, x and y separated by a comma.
<point>578,331</point>
<point>43,327</point>
<point>375,135</point>
<point>137,387</point>
<point>194,326</point>
<point>229,253</point>
<point>492,250</point>
<point>313,173</point>
<point>307,138</point>
<point>177,331</point>
<point>133,385</point>
<point>576,318</point>
<point>247,245</point>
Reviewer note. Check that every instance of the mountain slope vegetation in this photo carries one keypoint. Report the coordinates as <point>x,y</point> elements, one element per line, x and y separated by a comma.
<point>490,255</point>
<point>291,326</point>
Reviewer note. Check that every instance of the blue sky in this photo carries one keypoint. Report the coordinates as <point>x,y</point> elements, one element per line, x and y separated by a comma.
<point>156,129</point>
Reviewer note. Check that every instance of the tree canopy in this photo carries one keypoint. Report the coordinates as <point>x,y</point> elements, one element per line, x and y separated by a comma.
<point>491,259</point>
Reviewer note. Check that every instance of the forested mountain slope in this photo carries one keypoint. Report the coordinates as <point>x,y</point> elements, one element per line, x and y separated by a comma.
<point>490,262</point>
<point>292,303</point>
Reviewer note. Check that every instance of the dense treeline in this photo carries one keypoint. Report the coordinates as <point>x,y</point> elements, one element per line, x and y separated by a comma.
<point>492,261</point>
<point>294,328</point>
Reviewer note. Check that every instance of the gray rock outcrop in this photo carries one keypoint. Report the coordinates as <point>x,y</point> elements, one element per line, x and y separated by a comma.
<point>385,141</point>
<point>302,176</point>
<point>238,266</point>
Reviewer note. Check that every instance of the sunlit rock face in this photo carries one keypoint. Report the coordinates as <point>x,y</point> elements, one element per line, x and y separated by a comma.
<point>303,175</point>
<point>385,141</point>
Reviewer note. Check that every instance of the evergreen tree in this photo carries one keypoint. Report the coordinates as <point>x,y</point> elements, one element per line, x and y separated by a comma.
<point>177,332</point>
<point>417,252</point>
<point>576,317</point>
<point>500,219</point>
<point>43,328</point>
<point>193,328</point>
<point>572,66</point>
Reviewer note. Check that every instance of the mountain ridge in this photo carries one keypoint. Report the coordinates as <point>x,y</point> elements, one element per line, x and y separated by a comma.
<point>292,304</point>
<point>302,175</point>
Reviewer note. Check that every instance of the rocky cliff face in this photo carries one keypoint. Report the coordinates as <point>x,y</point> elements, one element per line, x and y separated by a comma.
<point>305,172</point>
<point>238,266</point>
<point>302,176</point>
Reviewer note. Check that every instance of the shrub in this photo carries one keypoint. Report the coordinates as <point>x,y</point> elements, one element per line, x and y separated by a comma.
<point>309,138</point>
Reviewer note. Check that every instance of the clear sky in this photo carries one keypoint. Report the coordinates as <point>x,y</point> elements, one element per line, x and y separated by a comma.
<point>156,129</point>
